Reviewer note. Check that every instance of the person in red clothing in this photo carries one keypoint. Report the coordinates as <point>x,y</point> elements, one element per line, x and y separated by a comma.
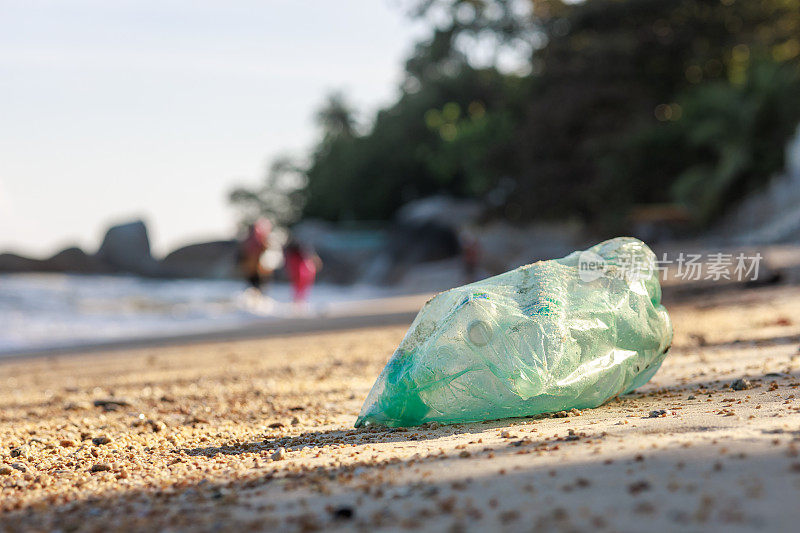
<point>302,266</point>
<point>250,251</point>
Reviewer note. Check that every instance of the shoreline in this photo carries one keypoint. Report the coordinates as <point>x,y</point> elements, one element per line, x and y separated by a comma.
<point>375,312</point>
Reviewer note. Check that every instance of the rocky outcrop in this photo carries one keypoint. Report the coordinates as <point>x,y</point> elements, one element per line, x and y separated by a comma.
<point>412,243</point>
<point>126,248</point>
<point>345,253</point>
<point>771,215</point>
<point>443,211</point>
<point>75,260</point>
<point>422,248</point>
<point>215,259</point>
<point>72,260</point>
<point>17,263</point>
<point>503,246</point>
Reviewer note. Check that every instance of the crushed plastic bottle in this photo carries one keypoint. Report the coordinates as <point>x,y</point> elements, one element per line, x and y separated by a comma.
<point>545,337</point>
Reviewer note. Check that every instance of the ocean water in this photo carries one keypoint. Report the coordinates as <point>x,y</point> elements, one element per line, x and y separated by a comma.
<point>46,311</point>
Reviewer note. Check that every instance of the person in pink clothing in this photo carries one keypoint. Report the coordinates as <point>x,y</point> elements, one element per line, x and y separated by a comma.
<point>301,266</point>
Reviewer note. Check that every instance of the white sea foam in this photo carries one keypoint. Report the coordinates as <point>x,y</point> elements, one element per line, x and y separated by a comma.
<point>43,311</point>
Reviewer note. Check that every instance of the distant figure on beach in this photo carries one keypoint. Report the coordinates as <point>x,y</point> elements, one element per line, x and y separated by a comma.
<point>251,250</point>
<point>302,266</point>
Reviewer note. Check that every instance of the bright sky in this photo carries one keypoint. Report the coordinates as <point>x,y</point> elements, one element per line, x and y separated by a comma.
<point>114,109</point>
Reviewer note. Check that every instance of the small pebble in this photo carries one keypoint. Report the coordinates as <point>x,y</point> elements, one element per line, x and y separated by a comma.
<point>101,467</point>
<point>111,404</point>
<point>5,470</point>
<point>279,455</point>
<point>78,406</point>
<point>343,513</point>
<point>639,486</point>
<point>741,384</point>
<point>99,441</point>
<point>22,451</point>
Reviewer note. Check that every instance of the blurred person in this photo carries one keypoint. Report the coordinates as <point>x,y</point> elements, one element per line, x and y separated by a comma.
<point>302,265</point>
<point>251,250</point>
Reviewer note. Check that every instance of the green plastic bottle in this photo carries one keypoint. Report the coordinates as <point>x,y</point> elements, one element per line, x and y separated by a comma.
<point>545,337</point>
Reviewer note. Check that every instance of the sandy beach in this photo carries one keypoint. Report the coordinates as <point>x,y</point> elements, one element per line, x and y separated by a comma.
<point>257,434</point>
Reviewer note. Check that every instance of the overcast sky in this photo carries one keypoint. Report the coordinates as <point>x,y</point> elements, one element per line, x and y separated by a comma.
<point>115,109</point>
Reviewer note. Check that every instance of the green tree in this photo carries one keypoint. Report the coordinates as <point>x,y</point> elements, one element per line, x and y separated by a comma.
<point>731,137</point>
<point>608,70</point>
<point>613,111</point>
<point>336,118</point>
<point>451,135</point>
<point>280,197</point>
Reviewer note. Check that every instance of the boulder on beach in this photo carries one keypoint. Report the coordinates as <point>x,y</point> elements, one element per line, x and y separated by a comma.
<point>216,259</point>
<point>126,248</point>
<point>71,259</point>
<point>16,263</point>
<point>504,246</point>
<point>75,260</point>
<point>441,210</point>
<point>421,242</point>
<point>345,252</point>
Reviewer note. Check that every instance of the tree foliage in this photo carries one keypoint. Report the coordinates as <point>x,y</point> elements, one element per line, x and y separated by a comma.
<point>612,70</point>
<point>603,105</point>
<point>731,138</point>
<point>453,135</point>
<point>281,197</point>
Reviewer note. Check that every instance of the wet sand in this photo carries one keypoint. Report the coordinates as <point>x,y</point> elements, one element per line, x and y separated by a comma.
<point>257,434</point>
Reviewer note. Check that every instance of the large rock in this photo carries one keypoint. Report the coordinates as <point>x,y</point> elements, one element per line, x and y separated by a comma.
<point>771,215</point>
<point>503,246</point>
<point>126,248</point>
<point>75,260</point>
<point>443,211</point>
<point>345,253</point>
<point>421,242</point>
<point>215,259</point>
<point>16,263</point>
<point>412,243</point>
<point>424,231</point>
<point>72,259</point>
